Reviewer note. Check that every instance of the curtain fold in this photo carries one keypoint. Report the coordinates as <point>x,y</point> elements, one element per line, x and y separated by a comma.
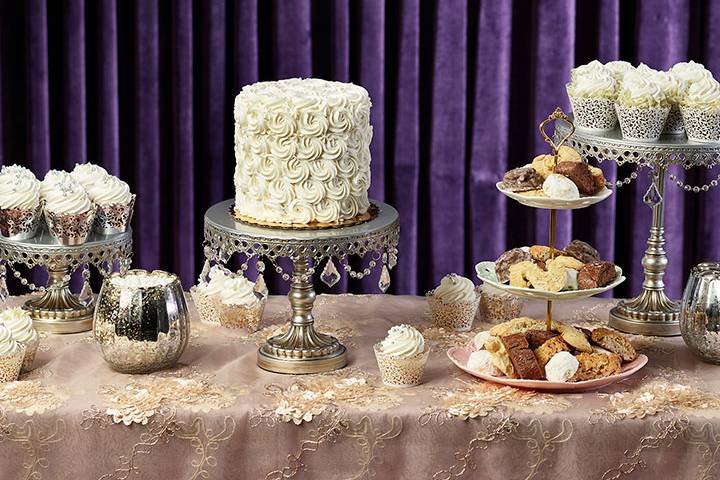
<point>146,89</point>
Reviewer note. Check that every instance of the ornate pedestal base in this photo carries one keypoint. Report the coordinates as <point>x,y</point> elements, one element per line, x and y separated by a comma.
<point>651,313</point>
<point>58,310</point>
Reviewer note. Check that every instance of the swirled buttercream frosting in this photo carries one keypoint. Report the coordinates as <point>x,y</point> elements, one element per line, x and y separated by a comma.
<point>109,191</point>
<point>593,83</point>
<point>19,191</point>
<point>228,288</point>
<point>403,341</point>
<point>639,90</point>
<point>64,195</point>
<point>17,171</point>
<point>454,288</point>
<point>19,323</point>
<point>89,174</point>
<point>8,345</point>
<point>690,72</point>
<point>704,93</point>
<point>618,68</point>
<point>302,150</point>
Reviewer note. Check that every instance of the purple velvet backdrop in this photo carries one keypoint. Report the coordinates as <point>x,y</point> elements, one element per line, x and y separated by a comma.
<point>146,88</point>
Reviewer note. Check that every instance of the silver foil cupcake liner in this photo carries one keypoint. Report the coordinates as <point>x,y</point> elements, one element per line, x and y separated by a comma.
<point>70,229</point>
<point>674,124</point>
<point>20,223</point>
<point>701,124</point>
<point>596,114</point>
<point>114,218</point>
<point>641,123</point>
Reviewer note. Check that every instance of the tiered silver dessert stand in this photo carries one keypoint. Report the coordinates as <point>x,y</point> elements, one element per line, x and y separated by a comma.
<point>56,309</point>
<point>651,312</point>
<point>302,349</point>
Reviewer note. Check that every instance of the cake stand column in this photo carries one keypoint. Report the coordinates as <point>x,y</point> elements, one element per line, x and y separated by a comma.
<point>652,312</point>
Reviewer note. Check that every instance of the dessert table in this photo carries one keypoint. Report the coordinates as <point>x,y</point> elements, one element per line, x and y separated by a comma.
<point>216,415</point>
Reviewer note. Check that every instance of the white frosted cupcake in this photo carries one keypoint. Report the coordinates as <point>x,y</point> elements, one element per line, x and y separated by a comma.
<point>205,295</point>
<point>618,68</point>
<point>641,107</point>
<point>690,72</point>
<point>402,356</point>
<point>20,324</point>
<point>238,304</point>
<point>69,213</point>
<point>20,210</point>
<point>88,174</point>
<point>592,95</point>
<point>12,355</point>
<point>701,110</point>
<point>454,303</point>
<point>115,204</point>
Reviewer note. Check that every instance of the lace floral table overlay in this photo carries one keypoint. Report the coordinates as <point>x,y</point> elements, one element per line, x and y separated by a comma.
<point>31,397</point>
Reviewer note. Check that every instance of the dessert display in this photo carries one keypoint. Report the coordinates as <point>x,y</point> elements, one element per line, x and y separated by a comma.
<point>454,303</point>
<point>12,355</point>
<point>523,349</point>
<point>402,356</point>
<point>302,148</point>
<point>20,324</point>
<point>20,210</point>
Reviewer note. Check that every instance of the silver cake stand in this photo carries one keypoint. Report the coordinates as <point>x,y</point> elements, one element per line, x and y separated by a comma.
<point>651,312</point>
<point>302,349</point>
<point>57,309</point>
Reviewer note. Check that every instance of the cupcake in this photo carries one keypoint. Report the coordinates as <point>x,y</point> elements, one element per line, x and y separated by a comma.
<point>674,91</point>
<point>12,355</point>
<point>238,304</point>
<point>114,203</point>
<point>618,69</point>
<point>88,174</point>
<point>497,306</point>
<point>204,294</point>
<point>641,107</point>
<point>402,356</point>
<point>592,94</point>
<point>700,110</point>
<point>69,213</point>
<point>454,303</point>
<point>690,72</point>
<point>20,324</point>
<point>20,210</point>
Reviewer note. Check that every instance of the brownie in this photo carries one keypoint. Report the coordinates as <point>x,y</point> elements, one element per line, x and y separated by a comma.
<point>522,179</point>
<point>595,275</point>
<point>535,338</point>
<point>580,174</point>
<point>516,340</point>
<point>525,363</point>
<point>582,251</point>
<point>508,259</point>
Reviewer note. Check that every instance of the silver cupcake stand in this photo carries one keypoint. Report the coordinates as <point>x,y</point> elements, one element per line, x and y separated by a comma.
<point>56,309</point>
<point>301,349</point>
<point>651,312</point>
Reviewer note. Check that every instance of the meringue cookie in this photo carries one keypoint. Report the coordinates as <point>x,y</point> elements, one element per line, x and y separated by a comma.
<point>561,367</point>
<point>454,288</point>
<point>481,338</point>
<point>403,341</point>
<point>481,361</point>
<point>560,187</point>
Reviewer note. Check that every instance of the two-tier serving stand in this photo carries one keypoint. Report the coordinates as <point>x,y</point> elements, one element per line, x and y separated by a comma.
<point>301,349</point>
<point>56,309</point>
<point>651,312</point>
<point>486,270</point>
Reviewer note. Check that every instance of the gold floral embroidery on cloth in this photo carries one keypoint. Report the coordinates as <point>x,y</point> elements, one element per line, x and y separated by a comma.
<point>31,397</point>
<point>35,441</point>
<point>441,339</point>
<point>310,396</point>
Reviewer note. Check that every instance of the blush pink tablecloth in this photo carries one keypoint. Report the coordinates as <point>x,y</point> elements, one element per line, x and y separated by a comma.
<point>218,416</point>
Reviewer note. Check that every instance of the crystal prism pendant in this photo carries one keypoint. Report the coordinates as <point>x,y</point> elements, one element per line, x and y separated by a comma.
<point>652,197</point>
<point>384,282</point>
<point>86,294</point>
<point>392,259</point>
<point>330,276</point>
<point>205,273</point>
<point>4,294</point>
<point>260,286</point>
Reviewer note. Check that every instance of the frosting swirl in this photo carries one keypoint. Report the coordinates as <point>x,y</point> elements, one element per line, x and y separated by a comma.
<point>690,72</point>
<point>17,171</point>
<point>19,191</point>
<point>403,341</point>
<point>618,68</point>
<point>454,288</point>
<point>593,83</point>
<point>8,345</point>
<point>640,91</point>
<point>594,66</point>
<point>89,174</point>
<point>704,93</point>
<point>65,197</point>
<point>109,191</point>
<point>20,324</point>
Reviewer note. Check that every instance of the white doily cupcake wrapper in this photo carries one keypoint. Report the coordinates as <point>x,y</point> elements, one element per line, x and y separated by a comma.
<point>205,306</point>
<point>596,114</point>
<point>70,229</point>
<point>701,125</point>
<point>641,123</point>
<point>674,124</point>
<point>114,218</point>
<point>401,372</point>
<point>497,306</point>
<point>10,365</point>
<point>31,349</point>
<point>239,316</point>
<point>20,224</point>
<point>453,316</point>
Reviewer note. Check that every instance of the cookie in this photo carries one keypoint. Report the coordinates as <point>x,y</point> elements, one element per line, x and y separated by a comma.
<point>522,179</point>
<point>517,325</point>
<point>545,352</point>
<point>568,154</point>
<point>582,251</point>
<point>525,364</point>
<point>521,272</point>
<point>500,357</point>
<point>541,253</point>
<point>564,261</point>
<point>614,342</point>
<point>596,365</point>
<point>535,338</point>
<point>507,259</point>
<point>596,275</point>
<point>544,165</point>
<point>598,177</point>
<point>514,340</point>
<point>555,280</point>
<point>579,173</point>
<point>574,337</point>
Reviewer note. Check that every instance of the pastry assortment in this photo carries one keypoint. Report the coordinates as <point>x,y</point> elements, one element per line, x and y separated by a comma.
<point>578,266</point>
<point>454,303</point>
<point>402,356</point>
<point>71,203</point>
<point>566,177</point>
<point>646,102</point>
<point>523,348</point>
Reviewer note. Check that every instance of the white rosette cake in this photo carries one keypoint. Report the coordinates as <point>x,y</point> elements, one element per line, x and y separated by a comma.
<point>20,324</point>
<point>592,94</point>
<point>402,356</point>
<point>20,209</point>
<point>454,303</point>
<point>302,148</point>
<point>641,107</point>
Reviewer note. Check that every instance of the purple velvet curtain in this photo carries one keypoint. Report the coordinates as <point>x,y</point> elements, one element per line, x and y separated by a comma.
<point>146,89</point>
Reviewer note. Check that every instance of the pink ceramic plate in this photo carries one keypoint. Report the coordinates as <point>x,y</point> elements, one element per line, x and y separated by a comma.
<point>459,356</point>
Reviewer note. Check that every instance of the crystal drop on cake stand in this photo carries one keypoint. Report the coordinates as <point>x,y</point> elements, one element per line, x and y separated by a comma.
<point>652,197</point>
<point>384,282</point>
<point>86,294</point>
<point>330,275</point>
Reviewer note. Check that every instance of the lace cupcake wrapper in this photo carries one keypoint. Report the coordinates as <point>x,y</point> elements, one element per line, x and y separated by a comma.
<point>674,125</point>
<point>239,316</point>
<point>701,125</point>
<point>457,316</point>
<point>401,371</point>
<point>31,349</point>
<point>641,123</point>
<point>70,229</point>
<point>205,306</point>
<point>19,223</point>
<point>597,114</point>
<point>10,365</point>
<point>114,218</point>
<point>497,306</point>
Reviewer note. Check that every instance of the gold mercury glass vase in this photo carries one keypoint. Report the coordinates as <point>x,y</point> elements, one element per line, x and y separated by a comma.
<point>141,321</point>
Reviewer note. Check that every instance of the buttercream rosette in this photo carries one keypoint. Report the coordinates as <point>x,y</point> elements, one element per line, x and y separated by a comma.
<point>20,208</point>
<point>401,356</point>
<point>454,303</point>
<point>69,213</point>
<point>21,328</point>
<point>592,94</point>
<point>12,355</point>
<point>701,110</point>
<point>642,107</point>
